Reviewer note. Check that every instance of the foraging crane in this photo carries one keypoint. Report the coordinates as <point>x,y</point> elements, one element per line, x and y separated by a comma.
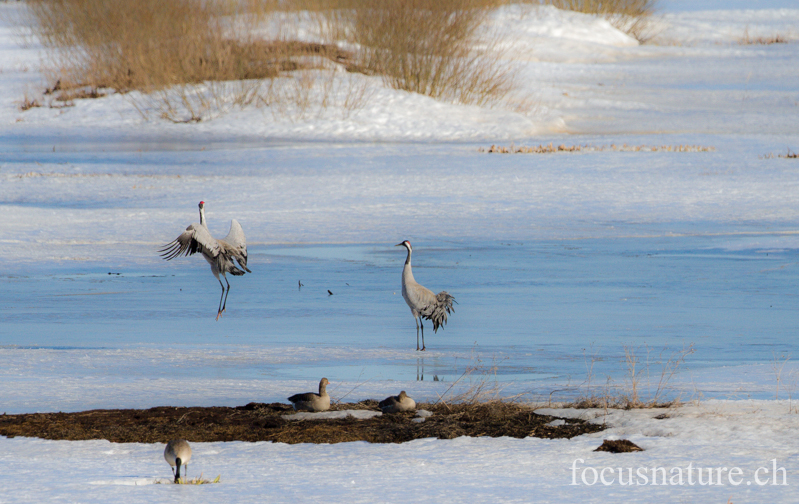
<point>177,453</point>
<point>311,401</point>
<point>218,253</point>
<point>422,302</point>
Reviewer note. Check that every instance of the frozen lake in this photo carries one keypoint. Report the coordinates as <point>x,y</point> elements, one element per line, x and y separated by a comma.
<point>579,278</point>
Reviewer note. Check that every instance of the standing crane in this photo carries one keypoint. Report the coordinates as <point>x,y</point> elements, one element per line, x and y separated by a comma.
<point>218,253</point>
<point>422,302</point>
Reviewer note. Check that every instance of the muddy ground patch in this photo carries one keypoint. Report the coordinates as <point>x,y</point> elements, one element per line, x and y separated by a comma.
<point>266,422</point>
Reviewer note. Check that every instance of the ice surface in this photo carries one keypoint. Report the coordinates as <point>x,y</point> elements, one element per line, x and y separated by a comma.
<point>557,262</point>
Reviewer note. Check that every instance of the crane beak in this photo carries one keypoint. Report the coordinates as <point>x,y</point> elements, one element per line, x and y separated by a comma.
<point>398,245</point>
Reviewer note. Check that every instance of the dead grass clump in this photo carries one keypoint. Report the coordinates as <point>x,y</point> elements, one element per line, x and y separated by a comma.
<point>619,446</point>
<point>630,16</point>
<point>79,93</point>
<point>151,46</point>
<point>606,7</point>
<point>265,422</point>
<point>788,155</point>
<point>646,384</point>
<point>429,47</point>
<point>28,103</point>
<point>194,59</point>
<point>129,45</point>
<point>185,55</point>
<point>551,148</point>
<point>774,39</point>
<point>194,481</point>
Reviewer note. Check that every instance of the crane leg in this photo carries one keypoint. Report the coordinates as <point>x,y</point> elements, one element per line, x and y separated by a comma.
<point>219,311</point>
<point>226,293</point>
<point>417,333</point>
<point>421,323</point>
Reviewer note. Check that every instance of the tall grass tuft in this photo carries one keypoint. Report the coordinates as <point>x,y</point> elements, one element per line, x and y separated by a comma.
<point>630,16</point>
<point>432,47</point>
<point>191,59</point>
<point>150,44</point>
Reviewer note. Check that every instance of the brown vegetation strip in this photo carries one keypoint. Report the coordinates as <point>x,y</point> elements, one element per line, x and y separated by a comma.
<point>265,422</point>
<point>550,148</point>
<point>619,446</point>
<point>788,155</point>
<point>776,39</point>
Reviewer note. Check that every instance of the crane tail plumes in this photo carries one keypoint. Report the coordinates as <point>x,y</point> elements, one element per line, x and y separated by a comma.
<point>235,271</point>
<point>238,244</point>
<point>437,312</point>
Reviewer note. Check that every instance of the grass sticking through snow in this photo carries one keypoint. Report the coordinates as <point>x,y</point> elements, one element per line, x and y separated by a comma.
<point>194,481</point>
<point>774,39</point>
<point>644,370</point>
<point>428,47</point>
<point>193,59</point>
<point>788,155</point>
<point>629,16</point>
<point>551,148</point>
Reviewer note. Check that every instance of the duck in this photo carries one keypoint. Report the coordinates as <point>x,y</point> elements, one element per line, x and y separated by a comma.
<point>397,404</point>
<point>311,401</point>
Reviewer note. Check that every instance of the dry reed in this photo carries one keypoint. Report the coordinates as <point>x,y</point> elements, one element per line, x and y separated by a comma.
<point>433,47</point>
<point>774,39</point>
<point>193,59</point>
<point>551,148</point>
<point>631,16</point>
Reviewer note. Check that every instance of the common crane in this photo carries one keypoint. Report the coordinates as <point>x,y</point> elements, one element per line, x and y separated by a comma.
<point>218,253</point>
<point>422,302</point>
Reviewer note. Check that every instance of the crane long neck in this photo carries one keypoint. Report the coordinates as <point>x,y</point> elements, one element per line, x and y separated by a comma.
<point>407,272</point>
<point>202,217</point>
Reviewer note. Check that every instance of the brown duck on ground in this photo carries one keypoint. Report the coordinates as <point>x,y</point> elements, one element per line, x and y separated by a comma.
<point>397,404</point>
<point>311,401</point>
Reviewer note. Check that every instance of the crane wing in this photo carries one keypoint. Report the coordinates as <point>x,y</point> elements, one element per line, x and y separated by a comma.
<point>195,238</point>
<point>237,244</point>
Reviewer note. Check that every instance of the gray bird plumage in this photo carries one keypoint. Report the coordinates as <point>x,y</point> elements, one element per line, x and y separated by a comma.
<point>177,453</point>
<point>397,404</point>
<point>422,302</point>
<point>219,253</point>
<point>311,401</point>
